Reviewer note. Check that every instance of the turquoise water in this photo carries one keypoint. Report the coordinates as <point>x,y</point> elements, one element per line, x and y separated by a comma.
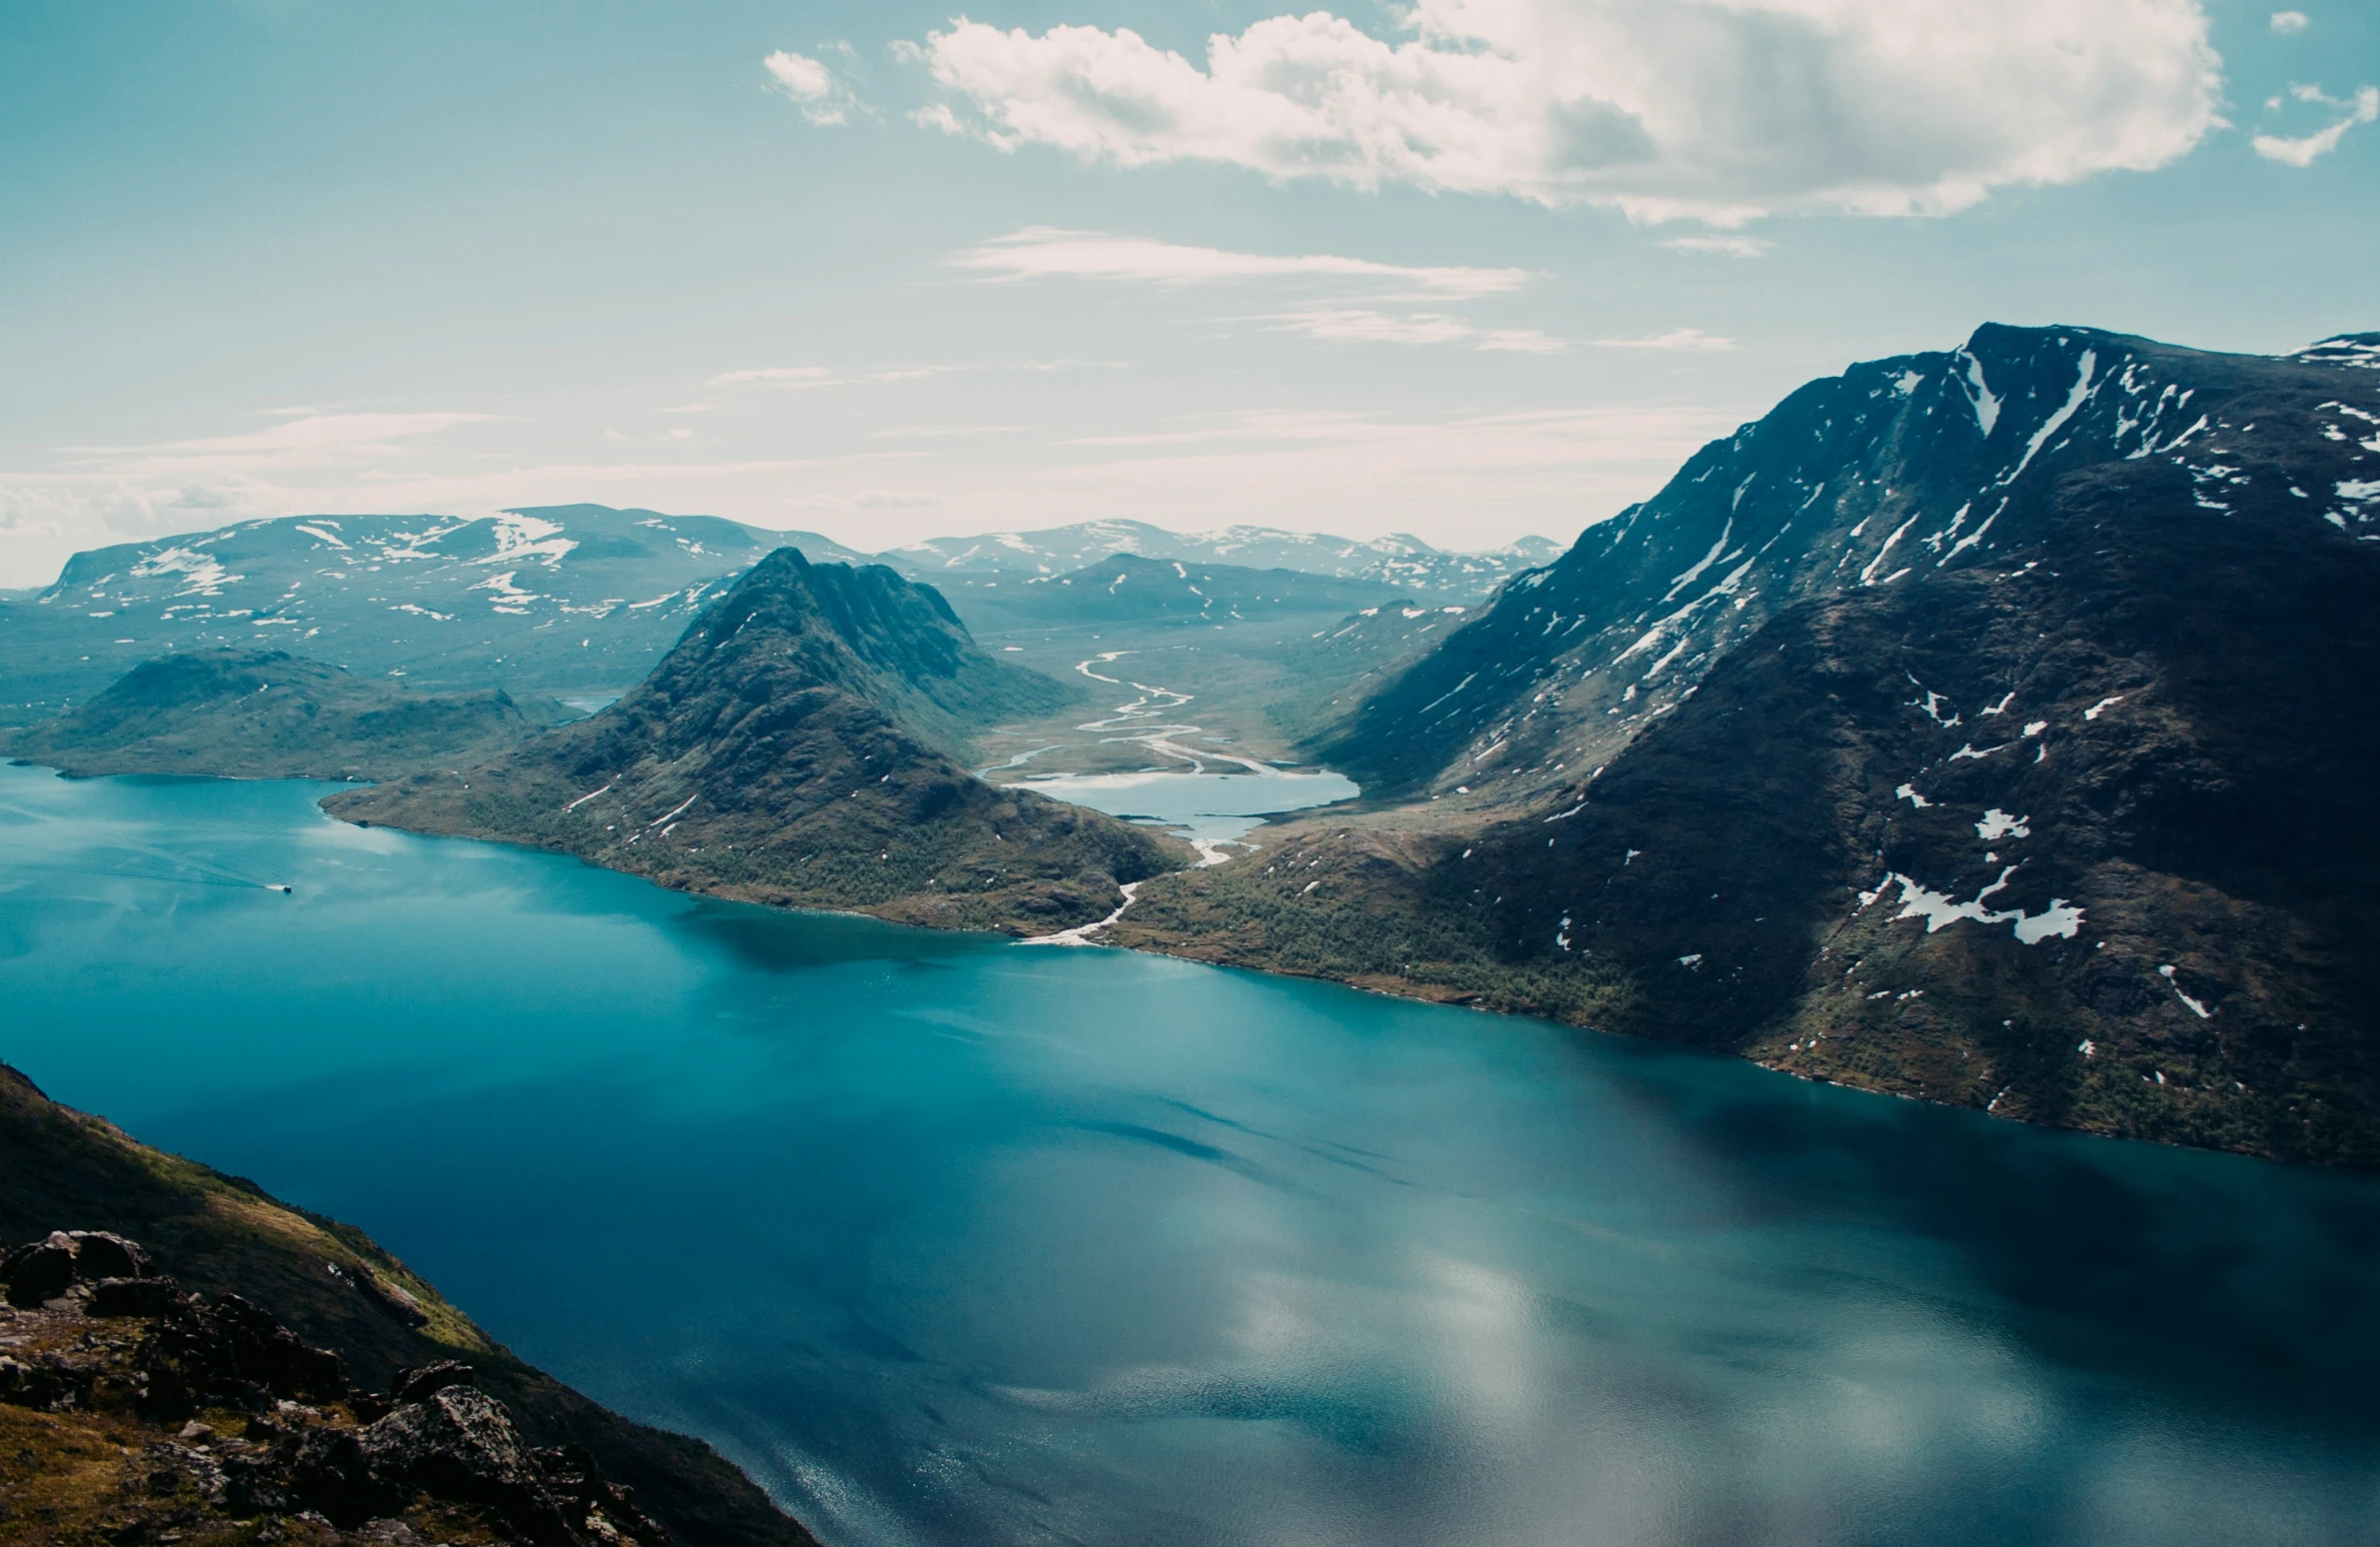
<point>953,1242</point>
<point>1200,806</point>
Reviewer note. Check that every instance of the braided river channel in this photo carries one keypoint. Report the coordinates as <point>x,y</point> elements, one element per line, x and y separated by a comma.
<point>950,1240</point>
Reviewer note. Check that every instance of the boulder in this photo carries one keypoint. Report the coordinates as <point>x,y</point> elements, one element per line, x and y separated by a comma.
<point>458,1443</point>
<point>134,1297</point>
<point>39,1271</point>
<point>414,1384</point>
<point>104,1255</point>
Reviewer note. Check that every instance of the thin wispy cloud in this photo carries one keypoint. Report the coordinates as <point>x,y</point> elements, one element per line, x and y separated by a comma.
<point>1720,246</point>
<point>2289,22</point>
<point>1362,325</point>
<point>1675,339</point>
<point>2305,149</point>
<point>777,376</point>
<point>940,431</point>
<point>1045,251</point>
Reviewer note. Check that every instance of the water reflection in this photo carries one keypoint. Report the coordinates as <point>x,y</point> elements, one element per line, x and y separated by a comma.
<point>950,1241</point>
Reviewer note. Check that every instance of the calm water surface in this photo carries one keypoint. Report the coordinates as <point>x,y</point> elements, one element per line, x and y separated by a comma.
<point>1200,806</point>
<point>954,1241</point>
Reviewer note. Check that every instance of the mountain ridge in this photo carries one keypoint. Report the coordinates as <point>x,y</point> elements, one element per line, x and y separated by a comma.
<point>2065,825</point>
<point>775,757</point>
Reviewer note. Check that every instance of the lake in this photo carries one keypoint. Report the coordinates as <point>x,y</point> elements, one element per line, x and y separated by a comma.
<point>950,1240</point>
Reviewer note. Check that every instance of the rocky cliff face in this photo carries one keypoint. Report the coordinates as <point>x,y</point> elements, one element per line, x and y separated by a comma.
<point>2048,801</point>
<point>1896,470</point>
<point>193,1361</point>
<point>793,749</point>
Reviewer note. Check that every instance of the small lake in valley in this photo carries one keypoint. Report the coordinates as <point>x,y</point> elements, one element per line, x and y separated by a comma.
<point>952,1242</point>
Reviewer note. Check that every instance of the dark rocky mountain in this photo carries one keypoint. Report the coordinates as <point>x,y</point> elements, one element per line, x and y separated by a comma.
<point>795,747</point>
<point>183,1357</point>
<point>1893,471</point>
<point>265,713</point>
<point>2064,818</point>
<point>1124,589</point>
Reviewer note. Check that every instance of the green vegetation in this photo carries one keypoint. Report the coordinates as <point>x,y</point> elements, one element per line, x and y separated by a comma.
<point>247,713</point>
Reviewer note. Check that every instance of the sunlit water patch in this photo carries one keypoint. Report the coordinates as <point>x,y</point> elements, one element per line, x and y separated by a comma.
<point>1214,807</point>
<point>950,1240</point>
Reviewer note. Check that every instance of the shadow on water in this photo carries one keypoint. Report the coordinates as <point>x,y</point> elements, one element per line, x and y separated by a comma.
<point>2220,1278</point>
<point>772,942</point>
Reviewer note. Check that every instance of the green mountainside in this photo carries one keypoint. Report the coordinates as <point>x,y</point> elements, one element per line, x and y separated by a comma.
<point>795,749</point>
<point>265,713</point>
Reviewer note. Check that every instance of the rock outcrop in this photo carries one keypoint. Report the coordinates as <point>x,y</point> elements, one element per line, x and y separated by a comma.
<point>241,1421</point>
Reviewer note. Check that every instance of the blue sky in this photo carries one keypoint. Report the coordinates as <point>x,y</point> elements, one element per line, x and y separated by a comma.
<point>264,257</point>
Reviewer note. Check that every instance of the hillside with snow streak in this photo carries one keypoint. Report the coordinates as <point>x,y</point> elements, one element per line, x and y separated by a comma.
<point>1893,471</point>
<point>2020,761</point>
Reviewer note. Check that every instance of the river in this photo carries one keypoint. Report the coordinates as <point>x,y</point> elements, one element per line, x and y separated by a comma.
<point>953,1240</point>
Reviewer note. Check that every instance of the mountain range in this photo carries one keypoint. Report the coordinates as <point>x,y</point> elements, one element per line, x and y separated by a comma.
<point>558,600</point>
<point>1980,725</point>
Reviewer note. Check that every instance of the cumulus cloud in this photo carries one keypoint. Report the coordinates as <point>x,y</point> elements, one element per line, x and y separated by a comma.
<point>1676,338</point>
<point>2287,22</point>
<point>2302,150</point>
<point>1715,109</point>
<point>1040,252</point>
<point>815,88</point>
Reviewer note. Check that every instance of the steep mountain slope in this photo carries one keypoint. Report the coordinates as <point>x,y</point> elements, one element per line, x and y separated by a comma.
<point>1896,470</point>
<point>2074,832</point>
<point>1394,563</point>
<point>795,748</point>
<point>265,713</point>
<point>559,597</point>
<point>61,1169</point>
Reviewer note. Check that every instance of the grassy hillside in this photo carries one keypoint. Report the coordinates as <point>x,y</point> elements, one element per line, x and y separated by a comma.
<point>61,1169</point>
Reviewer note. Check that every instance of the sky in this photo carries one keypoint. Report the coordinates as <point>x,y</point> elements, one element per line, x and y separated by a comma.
<point>1464,268</point>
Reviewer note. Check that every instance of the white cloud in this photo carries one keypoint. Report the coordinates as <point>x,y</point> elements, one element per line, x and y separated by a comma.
<point>1676,338</point>
<point>2286,22</point>
<point>1041,252</point>
<point>823,97</point>
<point>1363,324</point>
<point>2302,150</point>
<point>313,441</point>
<point>1715,109</point>
<point>895,498</point>
<point>1720,246</point>
<point>777,376</point>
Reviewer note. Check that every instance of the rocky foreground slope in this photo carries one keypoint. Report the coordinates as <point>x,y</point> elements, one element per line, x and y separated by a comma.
<point>188,1360</point>
<point>795,749</point>
<point>1991,727</point>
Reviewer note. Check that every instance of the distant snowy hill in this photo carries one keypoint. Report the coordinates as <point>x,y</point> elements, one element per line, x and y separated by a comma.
<point>1399,563</point>
<point>554,598</point>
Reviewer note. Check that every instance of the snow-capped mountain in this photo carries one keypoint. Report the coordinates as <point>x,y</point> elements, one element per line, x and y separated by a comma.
<point>561,596</point>
<point>1400,564</point>
<point>1894,469</point>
